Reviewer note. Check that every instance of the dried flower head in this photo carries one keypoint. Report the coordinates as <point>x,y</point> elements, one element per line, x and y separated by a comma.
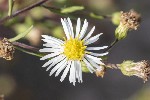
<point>140,69</point>
<point>130,19</point>
<point>100,72</point>
<point>6,49</point>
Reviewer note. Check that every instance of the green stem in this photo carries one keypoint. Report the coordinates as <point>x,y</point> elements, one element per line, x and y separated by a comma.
<point>29,52</point>
<point>112,45</point>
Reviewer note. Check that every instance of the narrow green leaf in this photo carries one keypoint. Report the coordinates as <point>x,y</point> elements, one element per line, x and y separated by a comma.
<point>58,11</point>
<point>21,35</point>
<point>96,16</point>
<point>72,9</point>
<point>10,4</point>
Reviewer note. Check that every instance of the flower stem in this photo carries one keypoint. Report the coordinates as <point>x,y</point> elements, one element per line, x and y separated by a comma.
<point>112,45</point>
<point>29,52</point>
<point>23,10</point>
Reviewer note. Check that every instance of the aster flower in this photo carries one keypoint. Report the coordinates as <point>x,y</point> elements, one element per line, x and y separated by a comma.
<point>69,54</point>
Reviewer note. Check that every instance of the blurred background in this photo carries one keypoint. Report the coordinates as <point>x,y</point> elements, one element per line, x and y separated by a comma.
<point>23,78</point>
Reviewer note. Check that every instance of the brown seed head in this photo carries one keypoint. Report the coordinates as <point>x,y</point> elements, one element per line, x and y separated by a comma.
<point>130,19</point>
<point>6,49</point>
<point>143,67</point>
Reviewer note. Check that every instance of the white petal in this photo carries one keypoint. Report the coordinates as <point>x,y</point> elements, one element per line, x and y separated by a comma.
<point>65,28</point>
<point>90,33</point>
<point>50,55</point>
<point>78,27</point>
<point>71,27</point>
<point>93,39</point>
<point>50,50</point>
<point>95,59</point>
<point>77,70</point>
<point>93,63</point>
<point>83,30</point>
<point>72,74</point>
<point>52,60</point>
<point>47,63</point>
<point>96,48</point>
<point>68,27</point>
<point>97,54</point>
<point>65,71</point>
<point>80,71</point>
<point>57,66</point>
<point>52,45</point>
<point>91,69</point>
<point>55,61</point>
<point>53,39</point>
<point>60,69</point>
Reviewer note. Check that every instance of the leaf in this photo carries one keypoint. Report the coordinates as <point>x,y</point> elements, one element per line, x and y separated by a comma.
<point>10,5</point>
<point>21,35</point>
<point>59,12</point>
<point>96,16</point>
<point>72,9</point>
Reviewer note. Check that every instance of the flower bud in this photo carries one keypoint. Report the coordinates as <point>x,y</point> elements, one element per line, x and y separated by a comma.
<point>6,49</point>
<point>140,69</point>
<point>128,21</point>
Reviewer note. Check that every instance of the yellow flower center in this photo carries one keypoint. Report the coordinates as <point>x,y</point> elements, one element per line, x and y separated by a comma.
<point>74,49</point>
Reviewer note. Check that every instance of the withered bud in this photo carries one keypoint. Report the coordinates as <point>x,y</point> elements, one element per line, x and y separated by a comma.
<point>140,69</point>
<point>130,19</point>
<point>6,49</point>
<point>100,72</point>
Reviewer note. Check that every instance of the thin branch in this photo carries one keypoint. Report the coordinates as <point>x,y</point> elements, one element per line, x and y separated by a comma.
<point>23,10</point>
<point>26,46</point>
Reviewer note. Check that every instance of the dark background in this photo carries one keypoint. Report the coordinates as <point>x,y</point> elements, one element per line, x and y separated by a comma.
<point>23,78</point>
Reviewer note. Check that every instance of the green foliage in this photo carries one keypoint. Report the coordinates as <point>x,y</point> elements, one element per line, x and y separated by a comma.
<point>96,16</point>
<point>72,9</point>
<point>11,4</point>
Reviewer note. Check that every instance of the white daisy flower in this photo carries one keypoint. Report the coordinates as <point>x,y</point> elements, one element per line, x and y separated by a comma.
<point>69,54</point>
